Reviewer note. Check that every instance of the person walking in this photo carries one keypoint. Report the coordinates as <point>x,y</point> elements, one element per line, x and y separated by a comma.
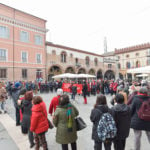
<point>26,106</point>
<point>84,92</point>
<point>122,117</point>
<point>64,121</point>
<point>55,101</point>
<point>99,109</point>
<point>137,124</point>
<point>39,122</point>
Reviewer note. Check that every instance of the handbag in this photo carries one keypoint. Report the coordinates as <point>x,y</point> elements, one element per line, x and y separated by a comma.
<point>51,126</point>
<point>80,124</point>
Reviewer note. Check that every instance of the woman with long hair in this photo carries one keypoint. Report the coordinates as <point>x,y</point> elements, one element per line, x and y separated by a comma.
<point>64,120</point>
<point>99,109</point>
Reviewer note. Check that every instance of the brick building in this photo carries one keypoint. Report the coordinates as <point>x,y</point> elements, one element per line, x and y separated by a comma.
<point>22,45</point>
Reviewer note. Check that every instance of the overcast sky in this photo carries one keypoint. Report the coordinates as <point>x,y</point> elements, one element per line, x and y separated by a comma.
<point>83,24</point>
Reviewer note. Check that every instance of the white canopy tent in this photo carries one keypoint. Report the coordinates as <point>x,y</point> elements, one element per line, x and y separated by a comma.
<point>70,75</point>
<point>140,70</point>
<point>142,75</point>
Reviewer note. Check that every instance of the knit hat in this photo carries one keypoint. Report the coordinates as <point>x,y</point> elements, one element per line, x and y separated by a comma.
<point>17,84</point>
<point>59,92</point>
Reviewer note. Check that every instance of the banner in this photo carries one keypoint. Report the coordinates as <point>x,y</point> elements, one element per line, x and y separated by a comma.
<point>66,87</point>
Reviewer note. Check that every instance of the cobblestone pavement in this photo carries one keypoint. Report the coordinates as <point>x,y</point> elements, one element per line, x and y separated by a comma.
<point>84,141</point>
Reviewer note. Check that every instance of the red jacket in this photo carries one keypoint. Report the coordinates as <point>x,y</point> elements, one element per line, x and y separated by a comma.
<point>53,104</point>
<point>39,122</point>
<point>115,86</point>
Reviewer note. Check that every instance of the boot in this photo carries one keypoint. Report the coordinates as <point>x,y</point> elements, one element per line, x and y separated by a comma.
<point>85,101</point>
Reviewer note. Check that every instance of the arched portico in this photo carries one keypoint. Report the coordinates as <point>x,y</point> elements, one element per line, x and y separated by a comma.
<point>69,70</point>
<point>91,71</point>
<point>99,74</point>
<point>109,74</point>
<point>54,70</point>
<point>81,70</point>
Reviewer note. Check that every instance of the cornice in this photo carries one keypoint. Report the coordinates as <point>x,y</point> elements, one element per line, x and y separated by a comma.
<point>132,48</point>
<point>21,24</point>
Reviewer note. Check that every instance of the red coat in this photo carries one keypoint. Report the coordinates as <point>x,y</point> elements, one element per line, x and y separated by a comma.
<point>39,122</point>
<point>53,104</point>
<point>115,86</point>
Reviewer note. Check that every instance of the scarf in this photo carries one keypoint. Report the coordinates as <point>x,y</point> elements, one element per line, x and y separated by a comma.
<point>69,117</point>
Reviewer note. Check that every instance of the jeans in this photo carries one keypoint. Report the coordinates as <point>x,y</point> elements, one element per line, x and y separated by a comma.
<point>73,146</point>
<point>2,104</point>
<point>137,140</point>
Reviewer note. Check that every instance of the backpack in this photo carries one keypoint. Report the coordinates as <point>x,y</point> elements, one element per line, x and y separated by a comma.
<point>144,110</point>
<point>106,127</point>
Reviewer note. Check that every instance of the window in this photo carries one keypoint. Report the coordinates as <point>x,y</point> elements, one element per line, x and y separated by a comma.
<point>127,56</point>
<point>96,61</point>
<point>137,64</point>
<point>109,66</point>
<point>53,52</point>
<point>24,73</point>
<point>87,61</point>
<point>2,55</point>
<point>38,40</point>
<point>38,58</point>
<point>148,61</point>
<point>137,54</point>
<point>71,55</point>
<point>38,74</point>
<point>148,52</point>
<point>24,57</point>
<point>4,32</point>
<point>3,73</point>
<point>128,65</point>
<point>24,36</point>
<point>63,57</point>
<point>119,66</point>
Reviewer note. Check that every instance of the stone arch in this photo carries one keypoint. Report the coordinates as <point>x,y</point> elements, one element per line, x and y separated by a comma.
<point>99,74</point>
<point>109,74</point>
<point>82,70</point>
<point>121,76</point>
<point>92,71</point>
<point>69,70</point>
<point>54,70</point>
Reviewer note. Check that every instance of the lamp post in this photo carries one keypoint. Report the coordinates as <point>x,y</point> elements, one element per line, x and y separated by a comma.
<point>117,71</point>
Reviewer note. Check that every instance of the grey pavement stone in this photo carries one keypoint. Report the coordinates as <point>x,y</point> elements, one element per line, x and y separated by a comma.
<point>6,142</point>
<point>84,141</point>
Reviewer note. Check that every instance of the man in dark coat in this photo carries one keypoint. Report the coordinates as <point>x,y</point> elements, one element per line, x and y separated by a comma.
<point>15,96</point>
<point>136,123</point>
<point>122,117</point>
<point>84,92</point>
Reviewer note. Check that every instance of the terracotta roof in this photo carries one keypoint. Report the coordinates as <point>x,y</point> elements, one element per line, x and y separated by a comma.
<point>71,49</point>
<point>132,48</point>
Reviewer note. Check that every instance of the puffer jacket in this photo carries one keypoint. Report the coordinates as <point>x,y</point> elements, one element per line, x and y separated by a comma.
<point>122,117</point>
<point>26,108</point>
<point>136,122</point>
<point>95,116</point>
<point>60,121</point>
<point>39,122</point>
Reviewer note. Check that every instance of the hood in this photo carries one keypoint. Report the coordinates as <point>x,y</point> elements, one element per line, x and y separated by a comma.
<point>102,108</point>
<point>121,108</point>
<point>26,102</point>
<point>38,107</point>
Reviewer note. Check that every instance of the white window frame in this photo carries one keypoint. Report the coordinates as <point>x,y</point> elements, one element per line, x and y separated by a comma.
<point>40,58</point>
<point>28,36</point>
<point>41,42</point>
<point>26,55</point>
<point>7,36</point>
<point>6,55</point>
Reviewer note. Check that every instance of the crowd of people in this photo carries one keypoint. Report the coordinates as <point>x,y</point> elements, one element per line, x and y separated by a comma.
<point>130,109</point>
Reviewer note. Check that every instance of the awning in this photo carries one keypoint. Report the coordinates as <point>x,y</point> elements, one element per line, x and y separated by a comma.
<point>140,70</point>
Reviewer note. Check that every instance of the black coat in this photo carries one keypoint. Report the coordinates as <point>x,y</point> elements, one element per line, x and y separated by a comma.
<point>122,117</point>
<point>136,122</point>
<point>26,108</point>
<point>95,116</point>
<point>85,90</point>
